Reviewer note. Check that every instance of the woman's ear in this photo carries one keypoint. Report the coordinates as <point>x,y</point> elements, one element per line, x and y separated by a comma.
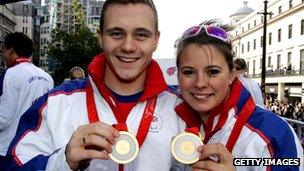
<point>233,75</point>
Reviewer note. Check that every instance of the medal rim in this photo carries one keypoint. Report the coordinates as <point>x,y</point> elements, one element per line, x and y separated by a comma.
<point>174,142</point>
<point>135,153</point>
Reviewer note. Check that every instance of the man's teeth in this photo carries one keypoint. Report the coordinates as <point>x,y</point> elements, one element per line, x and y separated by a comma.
<point>127,59</point>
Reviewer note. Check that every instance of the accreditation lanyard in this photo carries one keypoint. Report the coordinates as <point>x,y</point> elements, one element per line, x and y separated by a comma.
<point>144,125</point>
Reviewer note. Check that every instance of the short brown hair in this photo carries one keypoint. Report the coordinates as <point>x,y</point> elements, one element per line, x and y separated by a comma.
<point>126,2</point>
<point>240,64</point>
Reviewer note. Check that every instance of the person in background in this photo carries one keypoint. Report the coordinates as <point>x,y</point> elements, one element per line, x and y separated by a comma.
<point>76,73</point>
<point>252,86</point>
<point>72,125</point>
<point>21,84</point>
<point>232,125</point>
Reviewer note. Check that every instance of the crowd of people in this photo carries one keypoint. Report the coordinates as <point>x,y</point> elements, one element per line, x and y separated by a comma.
<point>123,117</point>
<point>285,108</point>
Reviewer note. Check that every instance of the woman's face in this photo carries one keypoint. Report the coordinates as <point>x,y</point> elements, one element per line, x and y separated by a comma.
<point>204,77</point>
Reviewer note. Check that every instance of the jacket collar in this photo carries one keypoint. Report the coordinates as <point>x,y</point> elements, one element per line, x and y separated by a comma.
<point>154,84</point>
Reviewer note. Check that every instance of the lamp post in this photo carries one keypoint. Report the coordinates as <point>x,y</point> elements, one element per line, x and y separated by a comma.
<point>263,74</point>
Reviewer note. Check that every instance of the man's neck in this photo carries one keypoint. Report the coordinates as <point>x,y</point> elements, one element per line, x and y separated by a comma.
<point>124,88</point>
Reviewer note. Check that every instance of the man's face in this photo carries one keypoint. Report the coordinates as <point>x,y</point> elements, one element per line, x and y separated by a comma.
<point>9,59</point>
<point>128,39</point>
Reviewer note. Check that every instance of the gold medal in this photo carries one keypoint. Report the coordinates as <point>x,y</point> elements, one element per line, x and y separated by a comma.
<point>125,149</point>
<point>184,147</point>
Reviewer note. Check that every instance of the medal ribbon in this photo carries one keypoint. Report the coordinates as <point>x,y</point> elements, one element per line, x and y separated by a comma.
<point>193,130</point>
<point>245,113</point>
<point>144,125</point>
<point>222,111</point>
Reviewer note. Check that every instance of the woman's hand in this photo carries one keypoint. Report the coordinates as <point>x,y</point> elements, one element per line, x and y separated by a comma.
<point>91,141</point>
<point>207,161</point>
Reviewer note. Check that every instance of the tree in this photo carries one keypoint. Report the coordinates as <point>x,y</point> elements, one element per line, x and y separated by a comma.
<point>71,49</point>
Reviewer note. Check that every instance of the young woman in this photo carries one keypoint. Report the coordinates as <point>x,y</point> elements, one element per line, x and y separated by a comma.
<point>232,125</point>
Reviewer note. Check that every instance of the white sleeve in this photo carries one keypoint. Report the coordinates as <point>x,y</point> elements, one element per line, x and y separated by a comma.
<point>8,100</point>
<point>57,161</point>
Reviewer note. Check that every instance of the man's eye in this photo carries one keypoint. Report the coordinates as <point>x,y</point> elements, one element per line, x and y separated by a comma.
<point>141,36</point>
<point>117,35</point>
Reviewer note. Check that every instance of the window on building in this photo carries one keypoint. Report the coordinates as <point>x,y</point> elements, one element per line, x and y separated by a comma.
<point>280,10</point>
<point>92,10</point>
<point>243,30</point>
<point>248,46</point>
<point>302,59</point>
<point>290,31</point>
<point>242,48</point>
<point>253,67</point>
<point>235,50</point>
<point>262,19</point>
<point>279,61</point>
<point>261,41</point>
<point>290,4</point>
<point>261,62</point>
<point>302,27</point>
<point>248,26</point>
<point>254,22</point>
<point>270,38</point>
<point>247,64</point>
<point>23,30</point>
<point>236,33</point>
<point>97,10</point>
<point>25,8</point>
<point>289,57</point>
<point>269,61</point>
<point>254,44</point>
<point>279,35</point>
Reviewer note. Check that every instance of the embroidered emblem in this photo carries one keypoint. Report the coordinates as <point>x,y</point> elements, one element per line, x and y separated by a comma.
<point>156,124</point>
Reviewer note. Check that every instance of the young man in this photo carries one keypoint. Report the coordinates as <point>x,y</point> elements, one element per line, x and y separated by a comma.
<point>72,125</point>
<point>21,84</point>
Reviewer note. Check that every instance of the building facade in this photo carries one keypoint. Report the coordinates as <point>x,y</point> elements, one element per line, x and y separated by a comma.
<point>66,15</point>
<point>7,24</point>
<point>284,42</point>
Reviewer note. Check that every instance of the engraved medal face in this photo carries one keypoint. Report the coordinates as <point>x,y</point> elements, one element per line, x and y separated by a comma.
<point>184,147</point>
<point>125,149</point>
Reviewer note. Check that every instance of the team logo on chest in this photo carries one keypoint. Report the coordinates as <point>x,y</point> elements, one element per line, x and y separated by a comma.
<point>156,124</point>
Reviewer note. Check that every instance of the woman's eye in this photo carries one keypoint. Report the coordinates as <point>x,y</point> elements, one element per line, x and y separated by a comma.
<point>188,72</point>
<point>213,72</point>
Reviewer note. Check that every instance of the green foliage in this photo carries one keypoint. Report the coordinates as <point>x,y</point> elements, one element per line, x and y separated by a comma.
<point>71,49</point>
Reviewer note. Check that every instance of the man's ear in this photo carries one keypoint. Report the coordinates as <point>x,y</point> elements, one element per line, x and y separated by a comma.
<point>99,35</point>
<point>156,40</point>
<point>11,51</point>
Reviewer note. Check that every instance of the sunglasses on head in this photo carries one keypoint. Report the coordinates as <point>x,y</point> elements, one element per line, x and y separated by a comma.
<point>212,31</point>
